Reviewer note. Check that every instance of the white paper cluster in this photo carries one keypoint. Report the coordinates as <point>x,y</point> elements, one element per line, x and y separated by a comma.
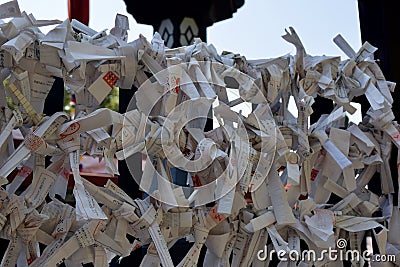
<point>256,182</point>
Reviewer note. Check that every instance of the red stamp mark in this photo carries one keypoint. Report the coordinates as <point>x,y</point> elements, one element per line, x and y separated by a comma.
<point>217,217</point>
<point>24,171</point>
<point>111,79</point>
<point>137,246</point>
<point>177,81</point>
<point>33,142</point>
<point>73,128</point>
<point>314,174</point>
<point>396,136</point>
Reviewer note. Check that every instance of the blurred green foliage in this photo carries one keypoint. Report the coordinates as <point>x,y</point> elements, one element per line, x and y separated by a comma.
<point>110,102</point>
<point>67,101</point>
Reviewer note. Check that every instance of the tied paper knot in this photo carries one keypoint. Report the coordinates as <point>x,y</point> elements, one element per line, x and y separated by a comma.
<point>29,228</point>
<point>33,142</point>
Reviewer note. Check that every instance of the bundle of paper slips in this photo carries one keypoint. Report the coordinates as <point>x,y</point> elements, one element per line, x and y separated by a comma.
<point>263,183</point>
